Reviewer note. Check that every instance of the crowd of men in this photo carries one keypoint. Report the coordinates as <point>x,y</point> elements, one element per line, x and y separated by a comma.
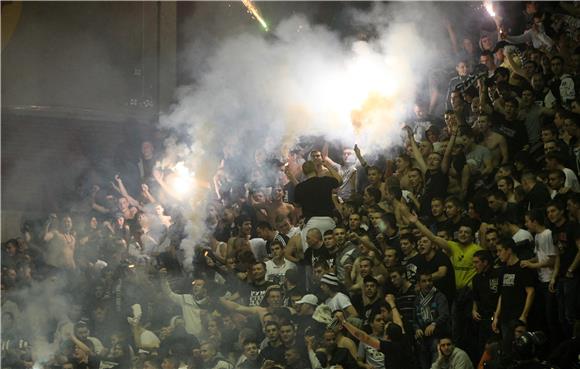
<point>458,249</point>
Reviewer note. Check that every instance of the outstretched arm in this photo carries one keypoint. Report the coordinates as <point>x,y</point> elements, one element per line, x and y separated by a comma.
<point>441,242</point>
<point>359,334</point>
<point>416,152</point>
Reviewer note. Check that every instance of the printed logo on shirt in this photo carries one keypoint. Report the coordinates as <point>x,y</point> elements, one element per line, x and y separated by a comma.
<point>509,280</point>
<point>493,284</point>
<point>256,297</point>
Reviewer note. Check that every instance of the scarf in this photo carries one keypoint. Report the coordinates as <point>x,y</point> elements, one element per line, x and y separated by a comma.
<point>425,311</point>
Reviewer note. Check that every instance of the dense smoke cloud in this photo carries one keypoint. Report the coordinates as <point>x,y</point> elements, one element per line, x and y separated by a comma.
<point>265,91</point>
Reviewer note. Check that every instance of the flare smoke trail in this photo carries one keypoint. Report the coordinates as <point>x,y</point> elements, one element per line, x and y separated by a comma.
<point>254,92</point>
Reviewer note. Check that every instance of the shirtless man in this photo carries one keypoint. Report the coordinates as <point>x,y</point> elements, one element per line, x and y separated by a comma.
<point>495,142</point>
<point>276,207</point>
<point>61,243</point>
<point>318,159</point>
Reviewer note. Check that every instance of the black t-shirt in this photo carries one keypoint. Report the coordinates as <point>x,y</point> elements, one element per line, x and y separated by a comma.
<point>411,265</point>
<point>312,255</point>
<point>366,312</point>
<point>397,354</point>
<point>513,282</point>
<point>565,240</point>
<point>486,292</point>
<point>514,132</point>
<point>314,195</point>
<point>435,186</point>
<point>255,293</point>
<point>446,284</point>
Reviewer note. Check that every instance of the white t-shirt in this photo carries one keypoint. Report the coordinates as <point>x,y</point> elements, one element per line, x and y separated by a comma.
<point>544,248</point>
<point>340,301</point>
<point>277,274</point>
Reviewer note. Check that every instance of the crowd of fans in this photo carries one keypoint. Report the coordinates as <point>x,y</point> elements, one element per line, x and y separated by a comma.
<point>459,249</point>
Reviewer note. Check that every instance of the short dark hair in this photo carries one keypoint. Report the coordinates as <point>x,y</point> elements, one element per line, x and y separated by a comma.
<point>375,193</point>
<point>264,225</point>
<point>507,243</point>
<point>484,255</point>
<point>537,215</point>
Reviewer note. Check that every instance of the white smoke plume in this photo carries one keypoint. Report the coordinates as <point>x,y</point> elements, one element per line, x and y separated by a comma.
<point>258,91</point>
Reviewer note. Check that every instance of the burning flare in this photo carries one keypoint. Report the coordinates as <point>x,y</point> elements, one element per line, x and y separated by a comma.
<point>255,12</point>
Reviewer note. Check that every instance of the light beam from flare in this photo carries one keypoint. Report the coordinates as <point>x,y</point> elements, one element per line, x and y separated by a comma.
<point>488,4</point>
<point>256,13</point>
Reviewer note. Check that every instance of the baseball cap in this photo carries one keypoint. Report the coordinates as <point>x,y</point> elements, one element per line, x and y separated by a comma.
<point>308,299</point>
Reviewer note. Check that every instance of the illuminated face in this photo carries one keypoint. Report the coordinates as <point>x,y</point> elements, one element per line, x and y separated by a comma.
<point>434,161</point>
<point>479,264</point>
<point>354,222</point>
<point>274,298</point>
<point>287,333</point>
<point>446,347</point>
<point>246,227</point>
<point>318,272</point>
<point>374,176</point>
<point>251,350</point>
<point>371,290</point>
<point>207,353</point>
<point>464,235</point>
<point>147,150</point>
<point>554,214</point>
<point>557,67</point>
<point>329,339</point>
<point>425,246</point>
<point>272,332</point>
<point>503,186</point>
<point>462,69</point>
<point>407,247</point>
<point>123,203</point>
<point>510,110</point>
<point>329,241</point>
<point>415,178</point>
<point>316,157</point>
<point>378,323</point>
<point>555,181</point>
<point>491,239</point>
<point>519,331</point>
<point>258,272</point>
<point>277,194</point>
<point>537,82</point>
<point>494,204</point>
<point>167,364</point>
<point>284,226</point>
<point>365,268</point>
<point>425,283</point>
<point>396,279</point>
<point>277,251</point>
<point>259,197</point>
<point>451,210</point>
<point>456,100</point>
<point>401,163</point>
<point>67,223</point>
<point>339,235</point>
<point>436,207</point>
<point>390,258</point>
<point>347,155</point>
<point>198,288</point>
<point>503,254</point>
